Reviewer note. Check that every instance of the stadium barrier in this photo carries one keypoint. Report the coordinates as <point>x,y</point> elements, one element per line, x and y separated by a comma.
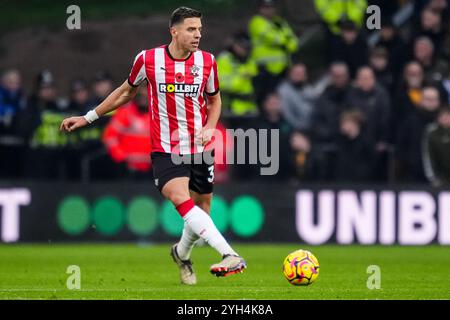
<point>312,214</point>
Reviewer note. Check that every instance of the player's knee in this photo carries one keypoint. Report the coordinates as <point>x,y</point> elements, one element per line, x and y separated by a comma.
<point>177,197</point>
<point>175,192</point>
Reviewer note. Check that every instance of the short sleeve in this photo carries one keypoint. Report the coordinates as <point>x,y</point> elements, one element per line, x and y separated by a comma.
<point>212,84</point>
<point>137,74</point>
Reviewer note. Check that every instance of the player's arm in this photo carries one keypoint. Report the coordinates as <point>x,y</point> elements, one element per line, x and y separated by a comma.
<point>122,95</point>
<point>214,103</point>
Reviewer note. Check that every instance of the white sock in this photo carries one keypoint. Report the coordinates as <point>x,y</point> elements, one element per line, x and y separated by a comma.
<point>202,225</point>
<point>186,243</point>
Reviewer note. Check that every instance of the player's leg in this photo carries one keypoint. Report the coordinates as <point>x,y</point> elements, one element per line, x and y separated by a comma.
<point>199,222</point>
<point>201,185</point>
<point>202,200</point>
<point>177,191</point>
<point>174,179</point>
<point>230,264</point>
<point>189,238</point>
<point>174,183</point>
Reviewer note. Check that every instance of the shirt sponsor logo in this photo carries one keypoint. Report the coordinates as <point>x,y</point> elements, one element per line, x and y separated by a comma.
<point>188,89</point>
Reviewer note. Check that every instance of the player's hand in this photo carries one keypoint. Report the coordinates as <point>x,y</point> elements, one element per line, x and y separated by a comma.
<point>204,136</point>
<point>73,123</point>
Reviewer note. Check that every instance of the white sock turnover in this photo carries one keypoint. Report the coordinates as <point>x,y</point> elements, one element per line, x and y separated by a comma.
<point>202,225</point>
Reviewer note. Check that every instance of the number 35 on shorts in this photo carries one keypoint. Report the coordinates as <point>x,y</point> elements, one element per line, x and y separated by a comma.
<point>211,174</point>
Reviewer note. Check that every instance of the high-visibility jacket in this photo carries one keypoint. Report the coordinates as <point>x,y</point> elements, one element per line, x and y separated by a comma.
<point>273,42</point>
<point>127,137</point>
<point>236,83</point>
<point>333,11</point>
<point>47,134</point>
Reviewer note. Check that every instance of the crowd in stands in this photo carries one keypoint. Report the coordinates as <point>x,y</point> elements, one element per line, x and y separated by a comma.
<point>378,113</point>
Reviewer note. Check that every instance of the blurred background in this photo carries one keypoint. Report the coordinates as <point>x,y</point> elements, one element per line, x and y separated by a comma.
<point>363,114</point>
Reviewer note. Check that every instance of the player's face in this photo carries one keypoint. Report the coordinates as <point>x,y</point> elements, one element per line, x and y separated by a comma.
<point>188,33</point>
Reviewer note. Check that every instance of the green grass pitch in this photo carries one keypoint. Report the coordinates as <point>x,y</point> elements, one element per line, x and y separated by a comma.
<point>129,271</point>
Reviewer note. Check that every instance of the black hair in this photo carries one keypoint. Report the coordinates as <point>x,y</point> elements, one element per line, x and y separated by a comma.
<point>182,13</point>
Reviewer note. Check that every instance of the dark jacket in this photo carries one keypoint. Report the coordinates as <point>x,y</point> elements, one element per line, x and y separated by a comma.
<point>328,109</point>
<point>403,105</point>
<point>409,145</point>
<point>354,158</point>
<point>397,50</point>
<point>436,154</point>
<point>376,107</point>
<point>284,172</point>
<point>354,55</point>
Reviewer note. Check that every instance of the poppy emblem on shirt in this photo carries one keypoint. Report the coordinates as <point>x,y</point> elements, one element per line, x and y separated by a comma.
<point>179,77</point>
<point>194,70</point>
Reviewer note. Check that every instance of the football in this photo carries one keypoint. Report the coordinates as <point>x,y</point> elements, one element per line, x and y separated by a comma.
<point>301,268</point>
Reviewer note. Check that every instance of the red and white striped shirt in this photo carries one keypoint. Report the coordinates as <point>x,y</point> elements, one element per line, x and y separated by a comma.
<point>176,94</point>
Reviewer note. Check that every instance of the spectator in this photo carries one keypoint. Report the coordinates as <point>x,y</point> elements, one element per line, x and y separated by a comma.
<point>43,99</point>
<point>301,156</point>
<point>101,168</point>
<point>424,53</point>
<point>379,62</point>
<point>350,48</point>
<point>374,103</point>
<point>272,118</point>
<point>408,95</point>
<point>390,39</point>
<point>51,154</point>
<point>273,42</point>
<point>79,96</point>
<point>236,72</point>
<point>410,134</point>
<point>334,12</point>
<point>297,98</point>
<point>431,26</point>
<point>441,6</point>
<point>272,115</point>
<point>12,101</point>
<point>355,149</point>
<point>336,15</point>
<point>331,103</point>
<point>103,85</point>
<point>127,136</point>
<point>45,96</point>
<point>80,102</point>
<point>436,150</point>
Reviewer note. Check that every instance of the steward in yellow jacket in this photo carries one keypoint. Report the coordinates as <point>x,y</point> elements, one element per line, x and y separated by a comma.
<point>236,72</point>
